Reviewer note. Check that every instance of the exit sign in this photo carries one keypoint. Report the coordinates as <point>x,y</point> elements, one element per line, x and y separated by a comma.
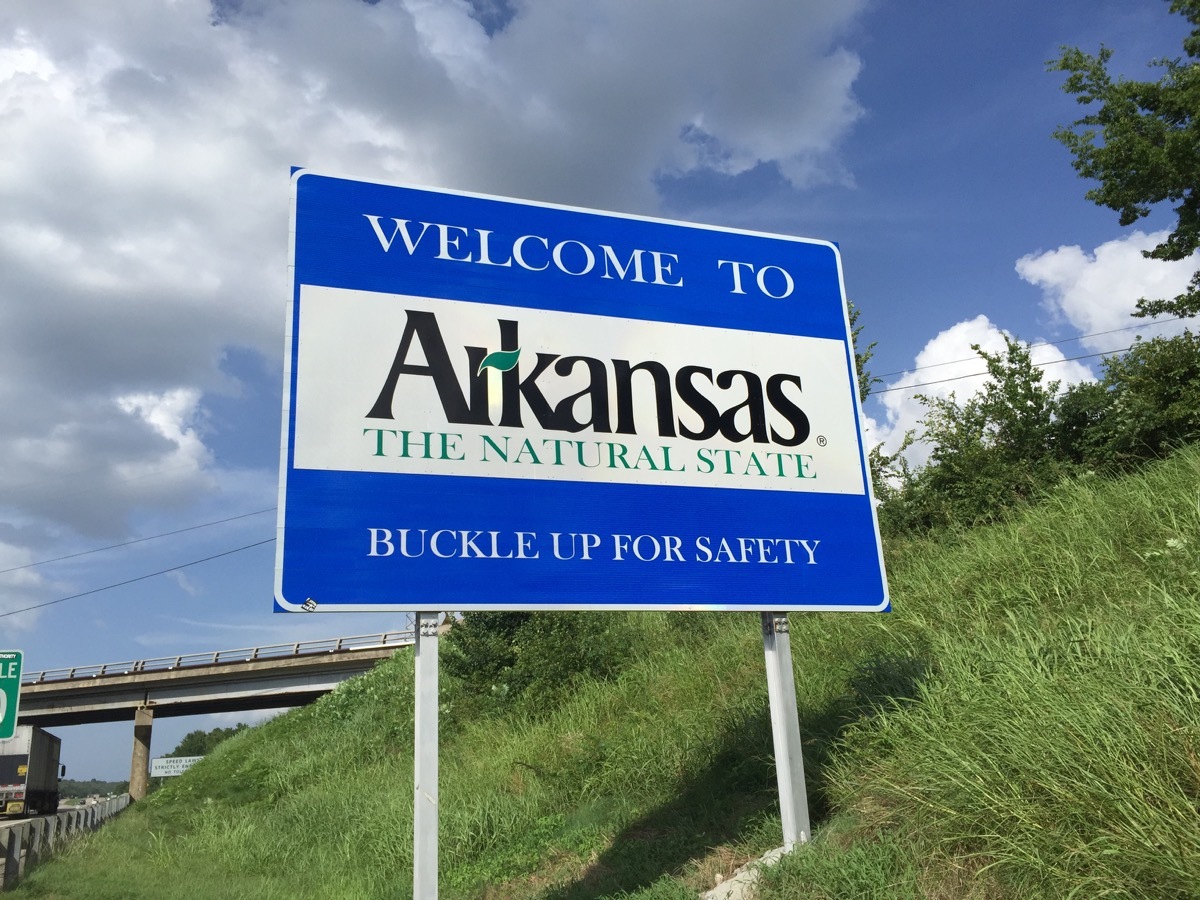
<point>10,691</point>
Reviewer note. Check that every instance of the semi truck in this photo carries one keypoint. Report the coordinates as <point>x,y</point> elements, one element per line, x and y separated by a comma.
<point>29,772</point>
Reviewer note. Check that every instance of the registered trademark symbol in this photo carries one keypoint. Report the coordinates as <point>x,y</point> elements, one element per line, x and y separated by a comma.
<point>821,440</point>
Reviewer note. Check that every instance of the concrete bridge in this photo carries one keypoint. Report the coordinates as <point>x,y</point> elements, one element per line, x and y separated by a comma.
<point>198,683</point>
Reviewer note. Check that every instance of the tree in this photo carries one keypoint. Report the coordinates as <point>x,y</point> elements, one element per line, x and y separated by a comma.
<point>1142,144</point>
<point>481,649</point>
<point>1152,403</point>
<point>201,743</point>
<point>504,659</point>
<point>866,380</point>
<point>1081,410</point>
<point>990,452</point>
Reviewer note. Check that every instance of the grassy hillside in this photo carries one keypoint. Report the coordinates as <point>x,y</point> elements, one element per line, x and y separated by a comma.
<point>1026,724</point>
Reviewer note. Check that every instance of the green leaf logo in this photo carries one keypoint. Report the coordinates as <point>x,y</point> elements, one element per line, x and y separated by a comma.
<point>501,359</point>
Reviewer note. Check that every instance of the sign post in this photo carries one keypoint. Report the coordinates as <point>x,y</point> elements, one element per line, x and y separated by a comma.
<point>785,731</point>
<point>10,691</point>
<point>493,404</point>
<point>425,758</point>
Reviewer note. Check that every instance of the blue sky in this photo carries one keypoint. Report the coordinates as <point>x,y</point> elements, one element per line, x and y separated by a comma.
<point>143,242</point>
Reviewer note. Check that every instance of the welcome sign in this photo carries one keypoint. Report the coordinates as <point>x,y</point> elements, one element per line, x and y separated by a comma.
<point>494,404</point>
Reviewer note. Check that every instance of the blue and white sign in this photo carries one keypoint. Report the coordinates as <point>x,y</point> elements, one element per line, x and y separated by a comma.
<point>496,404</point>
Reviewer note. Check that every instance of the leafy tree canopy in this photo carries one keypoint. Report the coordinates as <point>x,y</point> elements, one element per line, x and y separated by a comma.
<point>200,743</point>
<point>513,658</point>
<point>1147,405</point>
<point>1016,439</point>
<point>862,356</point>
<point>1142,143</point>
<point>991,452</point>
<point>78,789</point>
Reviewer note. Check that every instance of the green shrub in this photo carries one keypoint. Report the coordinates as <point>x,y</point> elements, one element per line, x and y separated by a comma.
<point>990,453</point>
<point>1153,404</point>
<point>532,660</point>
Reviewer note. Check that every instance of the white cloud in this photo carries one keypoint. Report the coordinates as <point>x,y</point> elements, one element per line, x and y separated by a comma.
<point>1098,291</point>
<point>185,583</point>
<point>171,415</point>
<point>144,180</point>
<point>947,365</point>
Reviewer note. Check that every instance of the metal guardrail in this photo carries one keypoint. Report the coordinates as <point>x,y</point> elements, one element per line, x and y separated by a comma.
<point>25,843</point>
<point>247,654</point>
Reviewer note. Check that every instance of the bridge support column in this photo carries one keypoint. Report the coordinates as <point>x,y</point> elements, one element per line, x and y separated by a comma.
<point>139,770</point>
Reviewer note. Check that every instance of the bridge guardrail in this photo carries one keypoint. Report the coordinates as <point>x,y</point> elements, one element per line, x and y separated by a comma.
<point>401,638</point>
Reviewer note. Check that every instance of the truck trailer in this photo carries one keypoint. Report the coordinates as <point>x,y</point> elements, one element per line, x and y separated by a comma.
<point>29,772</point>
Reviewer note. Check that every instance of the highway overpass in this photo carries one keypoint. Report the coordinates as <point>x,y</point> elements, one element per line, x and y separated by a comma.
<point>195,684</point>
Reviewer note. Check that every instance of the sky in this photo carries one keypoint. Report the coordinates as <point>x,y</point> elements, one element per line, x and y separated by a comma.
<point>144,198</point>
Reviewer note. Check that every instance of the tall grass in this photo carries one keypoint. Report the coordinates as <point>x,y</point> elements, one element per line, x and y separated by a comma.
<point>1025,725</point>
<point>1053,747</point>
<point>624,782</point>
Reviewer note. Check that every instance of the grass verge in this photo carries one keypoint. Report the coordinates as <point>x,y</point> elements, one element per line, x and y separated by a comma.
<point>1026,724</point>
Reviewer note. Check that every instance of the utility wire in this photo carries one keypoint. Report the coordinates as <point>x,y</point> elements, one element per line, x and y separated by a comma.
<point>909,387</point>
<point>1034,346</point>
<point>271,509</point>
<point>108,587</point>
<point>152,537</point>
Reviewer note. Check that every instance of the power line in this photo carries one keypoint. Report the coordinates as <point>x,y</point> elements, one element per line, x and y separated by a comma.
<point>909,387</point>
<point>1032,347</point>
<point>142,540</point>
<point>109,587</point>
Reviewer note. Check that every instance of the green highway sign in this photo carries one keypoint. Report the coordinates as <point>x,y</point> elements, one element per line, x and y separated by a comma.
<point>10,691</point>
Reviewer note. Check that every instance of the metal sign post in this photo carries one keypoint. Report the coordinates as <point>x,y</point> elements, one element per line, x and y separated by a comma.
<point>785,730</point>
<point>425,759</point>
<point>10,691</point>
